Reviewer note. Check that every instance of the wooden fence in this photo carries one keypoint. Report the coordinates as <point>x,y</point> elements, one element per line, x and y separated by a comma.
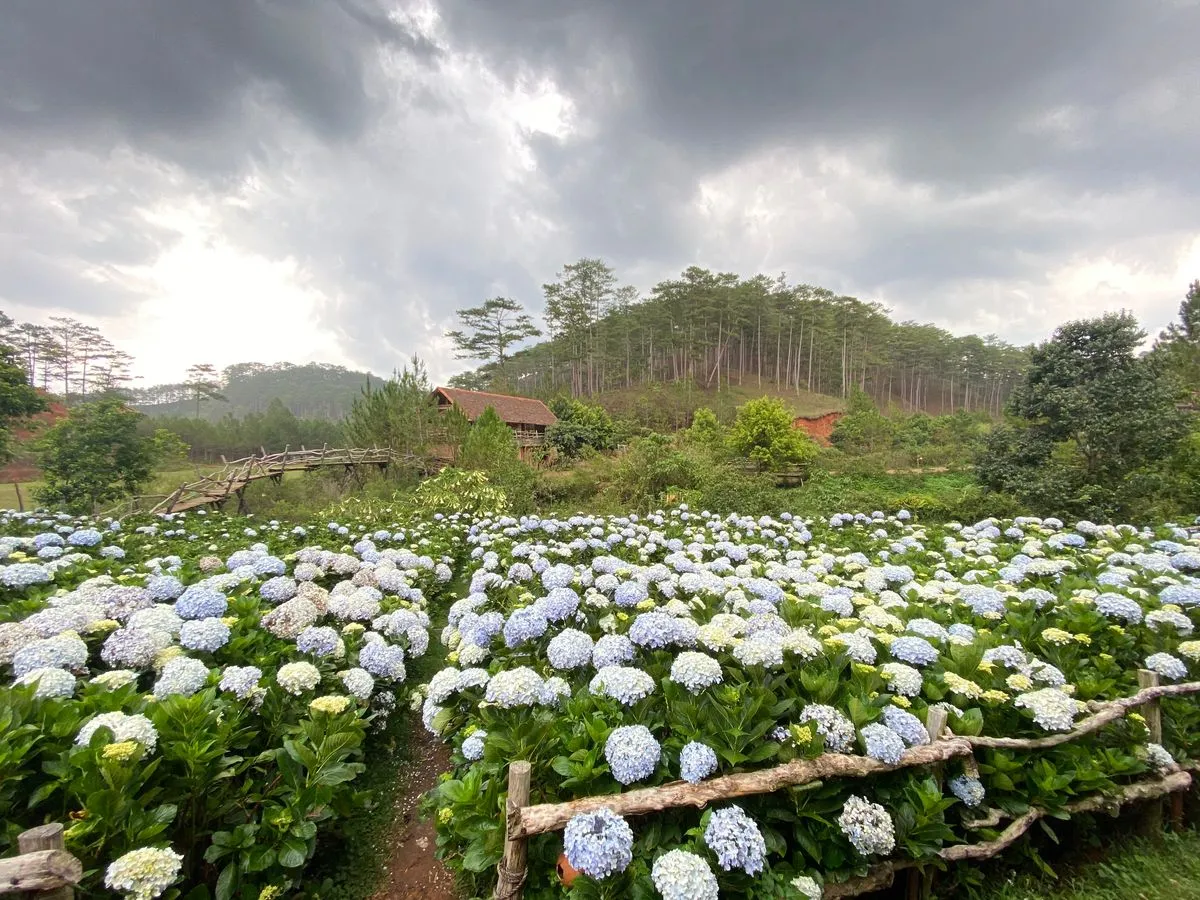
<point>44,868</point>
<point>523,821</point>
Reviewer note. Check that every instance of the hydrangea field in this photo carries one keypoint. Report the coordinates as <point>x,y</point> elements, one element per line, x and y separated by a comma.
<point>621,653</point>
<point>192,696</point>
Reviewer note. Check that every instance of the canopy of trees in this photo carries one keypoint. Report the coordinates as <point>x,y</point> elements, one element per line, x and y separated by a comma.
<point>311,391</point>
<point>95,456</point>
<point>66,357</point>
<point>717,328</point>
<point>1091,420</point>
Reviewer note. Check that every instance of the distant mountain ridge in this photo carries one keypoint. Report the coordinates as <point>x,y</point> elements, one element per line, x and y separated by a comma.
<point>309,391</point>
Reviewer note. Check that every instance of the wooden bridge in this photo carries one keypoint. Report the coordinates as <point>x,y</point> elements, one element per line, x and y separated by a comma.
<point>216,489</point>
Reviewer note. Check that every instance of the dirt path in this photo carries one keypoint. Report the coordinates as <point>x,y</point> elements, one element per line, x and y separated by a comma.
<point>413,873</point>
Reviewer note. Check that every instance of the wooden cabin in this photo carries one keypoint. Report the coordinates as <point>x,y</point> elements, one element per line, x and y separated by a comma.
<point>527,417</point>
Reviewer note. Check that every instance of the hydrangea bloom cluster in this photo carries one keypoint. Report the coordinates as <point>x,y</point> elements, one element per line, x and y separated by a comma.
<point>632,753</point>
<point>868,826</point>
<point>598,844</point>
<point>682,875</point>
<point>736,840</point>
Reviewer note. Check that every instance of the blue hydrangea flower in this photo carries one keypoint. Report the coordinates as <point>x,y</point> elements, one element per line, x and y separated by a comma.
<point>630,594</point>
<point>625,684</point>
<point>599,843</point>
<point>882,743</point>
<point>569,649</point>
<point>632,753</point>
<point>268,565</point>
<point>905,724</point>
<point>524,625</point>
<point>1167,666</point>
<point>1116,606</point>
<point>278,589</point>
<point>967,789</point>
<point>837,730</point>
<point>182,675</point>
<point>868,826</point>
<point>515,687</point>
<point>913,650</point>
<point>472,747</point>
<point>736,840</point>
<point>559,604</point>
<point>164,587</point>
<point>207,635</point>
<point>241,681</point>
<point>682,875</point>
<point>696,671</point>
<point>22,575</point>
<point>696,762</point>
<point>198,602</point>
<point>63,651</point>
<point>84,537</point>
<point>612,650</point>
<point>319,640</point>
<point>383,660</point>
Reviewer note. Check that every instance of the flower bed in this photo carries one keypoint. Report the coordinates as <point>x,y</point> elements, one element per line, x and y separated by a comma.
<point>619,653</point>
<point>191,696</point>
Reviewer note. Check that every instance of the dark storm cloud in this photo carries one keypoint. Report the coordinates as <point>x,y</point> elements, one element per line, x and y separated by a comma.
<point>900,150</point>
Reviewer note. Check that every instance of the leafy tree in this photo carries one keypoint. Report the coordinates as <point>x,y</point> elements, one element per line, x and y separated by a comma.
<point>456,490</point>
<point>581,428</point>
<point>863,429</point>
<point>1179,345</point>
<point>490,329</point>
<point>94,456</point>
<point>203,384</point>
<point>169,448</point>
<point>490,445</point>
<point>400,414</point>
<point>705,429</point>
<point>1089,417</point>
<point>763,433</point>
<point>18,398</point>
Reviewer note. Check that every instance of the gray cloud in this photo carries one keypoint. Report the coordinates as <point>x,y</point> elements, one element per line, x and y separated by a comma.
<point>943,157</point>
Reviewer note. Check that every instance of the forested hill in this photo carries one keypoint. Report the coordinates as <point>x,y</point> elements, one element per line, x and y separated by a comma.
<point>716,329</point>
<point>311,391</point>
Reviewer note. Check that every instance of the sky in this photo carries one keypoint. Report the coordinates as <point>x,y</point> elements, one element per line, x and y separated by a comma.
<point>328,180</point>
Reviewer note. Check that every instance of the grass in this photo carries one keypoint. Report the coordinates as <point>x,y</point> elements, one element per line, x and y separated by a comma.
<point>1141,869</point>
<point>162,483</point>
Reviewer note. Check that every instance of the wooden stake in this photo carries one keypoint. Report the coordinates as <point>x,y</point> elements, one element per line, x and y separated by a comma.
<point>510,883</point>
<point>48,837</point>
<point>1151,711</point>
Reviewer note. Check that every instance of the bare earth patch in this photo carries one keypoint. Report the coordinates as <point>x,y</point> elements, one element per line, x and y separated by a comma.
<point>413,873</point>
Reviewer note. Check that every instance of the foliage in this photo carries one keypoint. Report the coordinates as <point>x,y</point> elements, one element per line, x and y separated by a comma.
<point>66,356</point>
<point>168,448</point>
<point>1179,346</point>
<point>400,414</point>
<point>208,440</point>
<point>490,329</point>
<point>314,391</point>
<point>763,433</point>
<point>717,331</point>
<point>203,383</point>
<point>705,430</point>
<point>459,491</point>
<point>1091,415</point>
<point>18,399</point>
<point>612,648</point>
<point>490,446</point>
<point>94,456</point>
<point>242,772</point>
<point>863,429</point>
<point>581,428</point>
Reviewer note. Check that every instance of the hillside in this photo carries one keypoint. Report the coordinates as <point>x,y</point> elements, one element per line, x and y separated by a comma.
<point>310,391</point>
<point>719,330</point>
<point>669,406</point>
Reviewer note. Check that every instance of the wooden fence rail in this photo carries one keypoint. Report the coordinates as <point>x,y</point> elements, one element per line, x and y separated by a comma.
<point>523,821</point>
<point>43,868</point>
<point>217,488</point>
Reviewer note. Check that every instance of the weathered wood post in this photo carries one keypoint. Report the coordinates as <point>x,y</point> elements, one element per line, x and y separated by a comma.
<point>44,866</point>
<point>510,882</point>
<point>920,880</point>
<point>1152,712</point>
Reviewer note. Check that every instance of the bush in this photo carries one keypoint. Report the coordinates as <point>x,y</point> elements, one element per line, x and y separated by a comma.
<point>763,433</point>
<point>581,427</point>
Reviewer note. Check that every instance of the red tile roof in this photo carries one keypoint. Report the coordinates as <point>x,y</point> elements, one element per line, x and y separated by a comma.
<point>513,410</point>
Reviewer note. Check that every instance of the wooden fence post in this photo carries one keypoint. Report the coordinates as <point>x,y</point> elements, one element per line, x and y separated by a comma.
<point>510,884</point>
<point>920,880</point>
<point>1152,712</point>
<point>46,837</point>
